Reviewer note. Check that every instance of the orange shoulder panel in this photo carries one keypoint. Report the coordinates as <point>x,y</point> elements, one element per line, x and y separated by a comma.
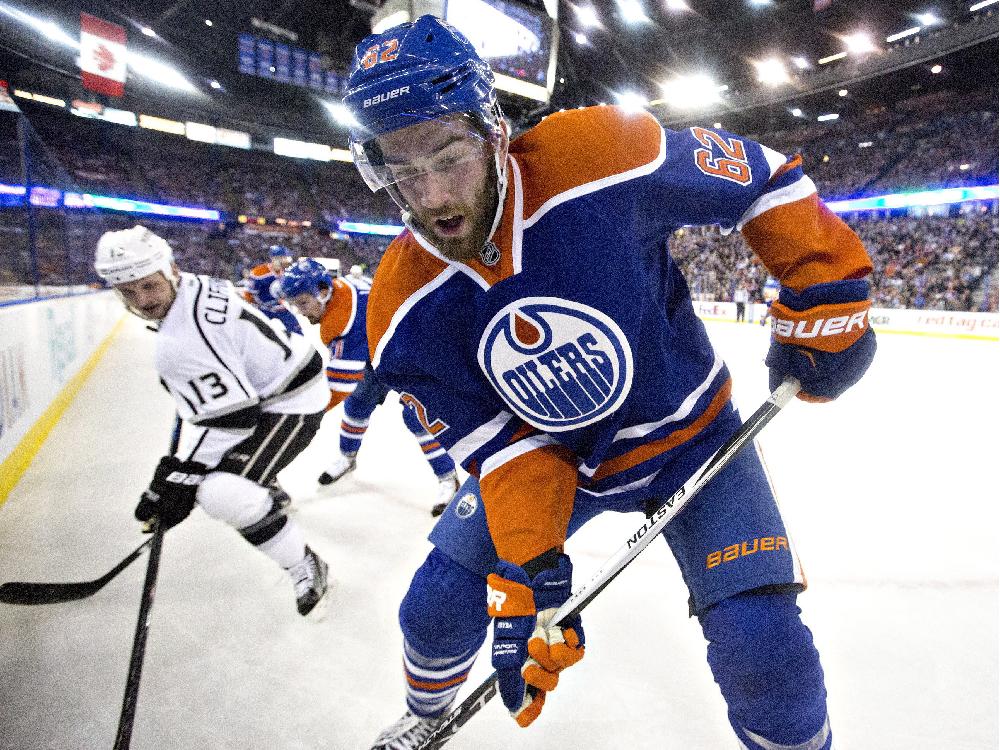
<point>338,313</point>
<point>569,149</point>
<point>404,268</point>
<point>804,243</point>
<point>529,501</point>
<point>262,270</point>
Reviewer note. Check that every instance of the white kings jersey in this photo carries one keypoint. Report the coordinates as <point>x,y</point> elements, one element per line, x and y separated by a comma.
<point>224,362</point>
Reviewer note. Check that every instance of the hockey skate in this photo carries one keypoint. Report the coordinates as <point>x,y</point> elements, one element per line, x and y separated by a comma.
<point>278,495</point>
<point>447,487</point>
<point>310,579</point>
<point>341,465</point>
<point>408,732</point>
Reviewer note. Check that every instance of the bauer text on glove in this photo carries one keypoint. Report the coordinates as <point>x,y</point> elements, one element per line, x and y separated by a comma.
<point>171,495</point>
<point>822,338</point>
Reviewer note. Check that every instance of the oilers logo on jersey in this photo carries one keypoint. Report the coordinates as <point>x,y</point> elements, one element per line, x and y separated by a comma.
<point>560,365</point>
<point>466,505</point>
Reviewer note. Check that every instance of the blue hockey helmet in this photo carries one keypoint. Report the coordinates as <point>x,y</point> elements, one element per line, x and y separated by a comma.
<point>412,73</point>
<point>279,251</point>
<point>305,277</point>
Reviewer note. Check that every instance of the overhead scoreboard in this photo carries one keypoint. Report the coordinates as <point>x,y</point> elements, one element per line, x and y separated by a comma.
<point>519,42</point>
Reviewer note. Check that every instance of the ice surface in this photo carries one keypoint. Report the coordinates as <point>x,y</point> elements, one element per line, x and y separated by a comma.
<point>890,495</point>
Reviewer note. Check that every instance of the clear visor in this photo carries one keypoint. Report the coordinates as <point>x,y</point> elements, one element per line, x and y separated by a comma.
<point>434,146</point>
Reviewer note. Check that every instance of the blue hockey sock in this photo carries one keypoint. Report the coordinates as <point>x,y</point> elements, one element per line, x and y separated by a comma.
<point>358,408</point>
<point>444,621</point>
<point>764,661</point>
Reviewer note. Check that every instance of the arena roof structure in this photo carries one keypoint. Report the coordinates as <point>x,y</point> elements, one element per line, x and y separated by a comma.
<point>682,59</point>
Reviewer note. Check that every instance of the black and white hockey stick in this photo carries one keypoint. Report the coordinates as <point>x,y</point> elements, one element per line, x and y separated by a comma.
<point>123,738</point>
<point>23,592</point>
<point>635,544</point>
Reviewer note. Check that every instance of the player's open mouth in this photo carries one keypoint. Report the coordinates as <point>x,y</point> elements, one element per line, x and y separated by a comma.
<point>450,226</point>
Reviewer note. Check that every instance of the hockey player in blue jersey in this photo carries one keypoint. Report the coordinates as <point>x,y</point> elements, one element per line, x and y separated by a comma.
<point>262,289</point>
<point>566,393</point>
<point>339,307</point>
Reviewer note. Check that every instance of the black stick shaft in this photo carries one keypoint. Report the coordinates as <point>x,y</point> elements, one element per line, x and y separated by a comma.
<point>125,722</point>
<point>124,737</point>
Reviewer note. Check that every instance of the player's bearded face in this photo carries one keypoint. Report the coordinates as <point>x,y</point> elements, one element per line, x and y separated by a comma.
<point>445,174</point>
<point>149,297</point>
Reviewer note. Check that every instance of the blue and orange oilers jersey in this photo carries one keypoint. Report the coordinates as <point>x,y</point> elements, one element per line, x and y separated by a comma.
<point>260,285</point>
<point>575,366</point>
<point>343,331</point>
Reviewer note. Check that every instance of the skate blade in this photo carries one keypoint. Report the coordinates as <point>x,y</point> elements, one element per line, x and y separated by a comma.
<point>318,613</point>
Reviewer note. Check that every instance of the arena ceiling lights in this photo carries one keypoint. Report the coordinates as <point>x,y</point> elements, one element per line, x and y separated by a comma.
<point>903,34</point>
<point>48,29</point>
<point>691,92</point>
<point>771,72</point>
<point>631,101</point>
<point>160,72</point>
<point>587,16</point>
<point>859,43</point>
<point>632,11</point>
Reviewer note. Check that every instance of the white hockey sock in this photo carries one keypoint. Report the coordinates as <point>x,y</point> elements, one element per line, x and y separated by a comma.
<point>242,504</point>
<point>287,547</point>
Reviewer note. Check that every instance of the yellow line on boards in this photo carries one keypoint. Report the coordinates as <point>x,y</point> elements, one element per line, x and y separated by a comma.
<point>14,466</point>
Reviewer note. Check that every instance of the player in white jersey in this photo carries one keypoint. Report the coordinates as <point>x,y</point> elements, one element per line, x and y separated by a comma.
<point>250,394</point>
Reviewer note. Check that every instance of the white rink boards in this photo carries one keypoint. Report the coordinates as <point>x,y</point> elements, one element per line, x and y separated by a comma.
<point>889,494</point>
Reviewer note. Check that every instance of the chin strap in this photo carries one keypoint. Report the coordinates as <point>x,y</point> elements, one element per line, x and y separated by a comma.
<point>489,253</point>
<point>501,170</point>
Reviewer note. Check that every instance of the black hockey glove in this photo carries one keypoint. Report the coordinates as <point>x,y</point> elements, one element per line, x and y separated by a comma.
<point>171,495</point>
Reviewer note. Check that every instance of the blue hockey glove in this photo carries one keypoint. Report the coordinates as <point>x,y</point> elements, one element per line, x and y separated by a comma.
<point>171,495</point>
<point>529,650</point>
<point>821,336</point>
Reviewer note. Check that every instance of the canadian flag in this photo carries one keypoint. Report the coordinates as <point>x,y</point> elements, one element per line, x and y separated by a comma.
<point>102,55</point>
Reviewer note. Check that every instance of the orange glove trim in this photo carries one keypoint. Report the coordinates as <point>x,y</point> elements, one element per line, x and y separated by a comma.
<point>506,598</point>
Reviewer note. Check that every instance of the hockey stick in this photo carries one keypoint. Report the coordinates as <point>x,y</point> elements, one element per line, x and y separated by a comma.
<point>127,718</point>
<point>22,592</point>
<point>123,738</point>
<point>635,544</point>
